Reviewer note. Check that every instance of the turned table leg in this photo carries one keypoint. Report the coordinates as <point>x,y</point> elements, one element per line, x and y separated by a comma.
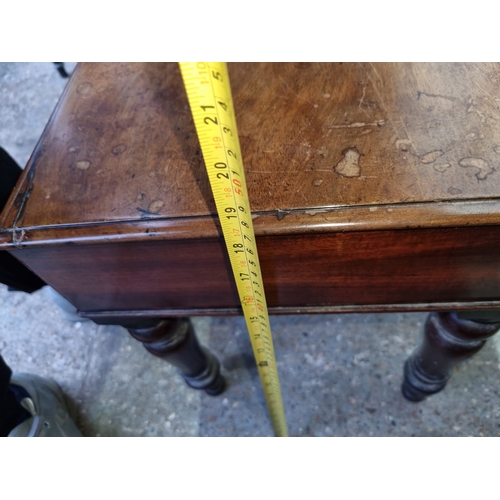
<point>174,341</point>
<point>449,338</point>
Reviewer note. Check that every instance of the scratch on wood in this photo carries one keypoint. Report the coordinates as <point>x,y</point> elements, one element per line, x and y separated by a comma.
<point>25,196</point>
<point>286,87</point>
<point>427,94</point>
<point>18,237</point>
<point>472,109</point>
<point>375,71</point>
<point>145,212</point>
<point>361,101</point>
<point>374,84</point>
<point>406,130</point>
<point>377,123</point>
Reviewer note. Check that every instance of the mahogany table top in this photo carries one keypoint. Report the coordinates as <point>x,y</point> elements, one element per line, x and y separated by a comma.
<point>326,147</point>
<point>372,187</point>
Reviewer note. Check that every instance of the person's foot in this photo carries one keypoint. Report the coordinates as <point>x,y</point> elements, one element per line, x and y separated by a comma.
<point>45,404</point>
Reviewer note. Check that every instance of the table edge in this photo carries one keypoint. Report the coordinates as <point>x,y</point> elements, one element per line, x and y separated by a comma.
<point>276,223</point>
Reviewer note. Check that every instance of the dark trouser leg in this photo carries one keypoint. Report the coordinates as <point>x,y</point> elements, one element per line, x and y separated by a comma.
<point>449,338</point>
<point>12,272</point>
<point>15,275</point>
<point>174,341</point>
<point>10,410</point>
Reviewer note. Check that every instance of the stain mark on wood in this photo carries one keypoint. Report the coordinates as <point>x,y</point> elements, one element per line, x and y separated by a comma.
<point>349,165</point>
<point>282,213</point>
<point>482,166</point>
<point>82,165</point>
<point>474,137</point>
<point>155,206</point>
<point>431,157</point>
<point>144,213</point>
<point>404,144</point>
<point>84,89</point>
<point>442,167</point>
<point>316,212</point>
<point>119,149</point>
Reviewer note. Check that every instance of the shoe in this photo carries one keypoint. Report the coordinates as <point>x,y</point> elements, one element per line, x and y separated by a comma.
<point>45,404</point>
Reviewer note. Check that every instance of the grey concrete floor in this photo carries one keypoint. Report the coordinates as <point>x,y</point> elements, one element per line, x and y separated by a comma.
<point>340,374</point>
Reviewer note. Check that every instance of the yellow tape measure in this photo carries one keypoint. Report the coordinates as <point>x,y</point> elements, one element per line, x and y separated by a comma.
<point>209,95</point>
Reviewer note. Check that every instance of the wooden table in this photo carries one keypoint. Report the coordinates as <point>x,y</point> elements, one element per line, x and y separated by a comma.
<point>374,187</point>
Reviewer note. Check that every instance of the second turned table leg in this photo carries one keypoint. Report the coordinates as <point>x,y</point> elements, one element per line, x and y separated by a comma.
<point>448,340</point>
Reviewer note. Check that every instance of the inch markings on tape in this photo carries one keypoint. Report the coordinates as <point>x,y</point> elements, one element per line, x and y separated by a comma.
<point>209,95</point>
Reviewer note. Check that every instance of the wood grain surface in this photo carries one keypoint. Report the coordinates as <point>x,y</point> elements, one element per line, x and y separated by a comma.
<point>121,145</point>
<point>331,270</point>
<point>372,186</point>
